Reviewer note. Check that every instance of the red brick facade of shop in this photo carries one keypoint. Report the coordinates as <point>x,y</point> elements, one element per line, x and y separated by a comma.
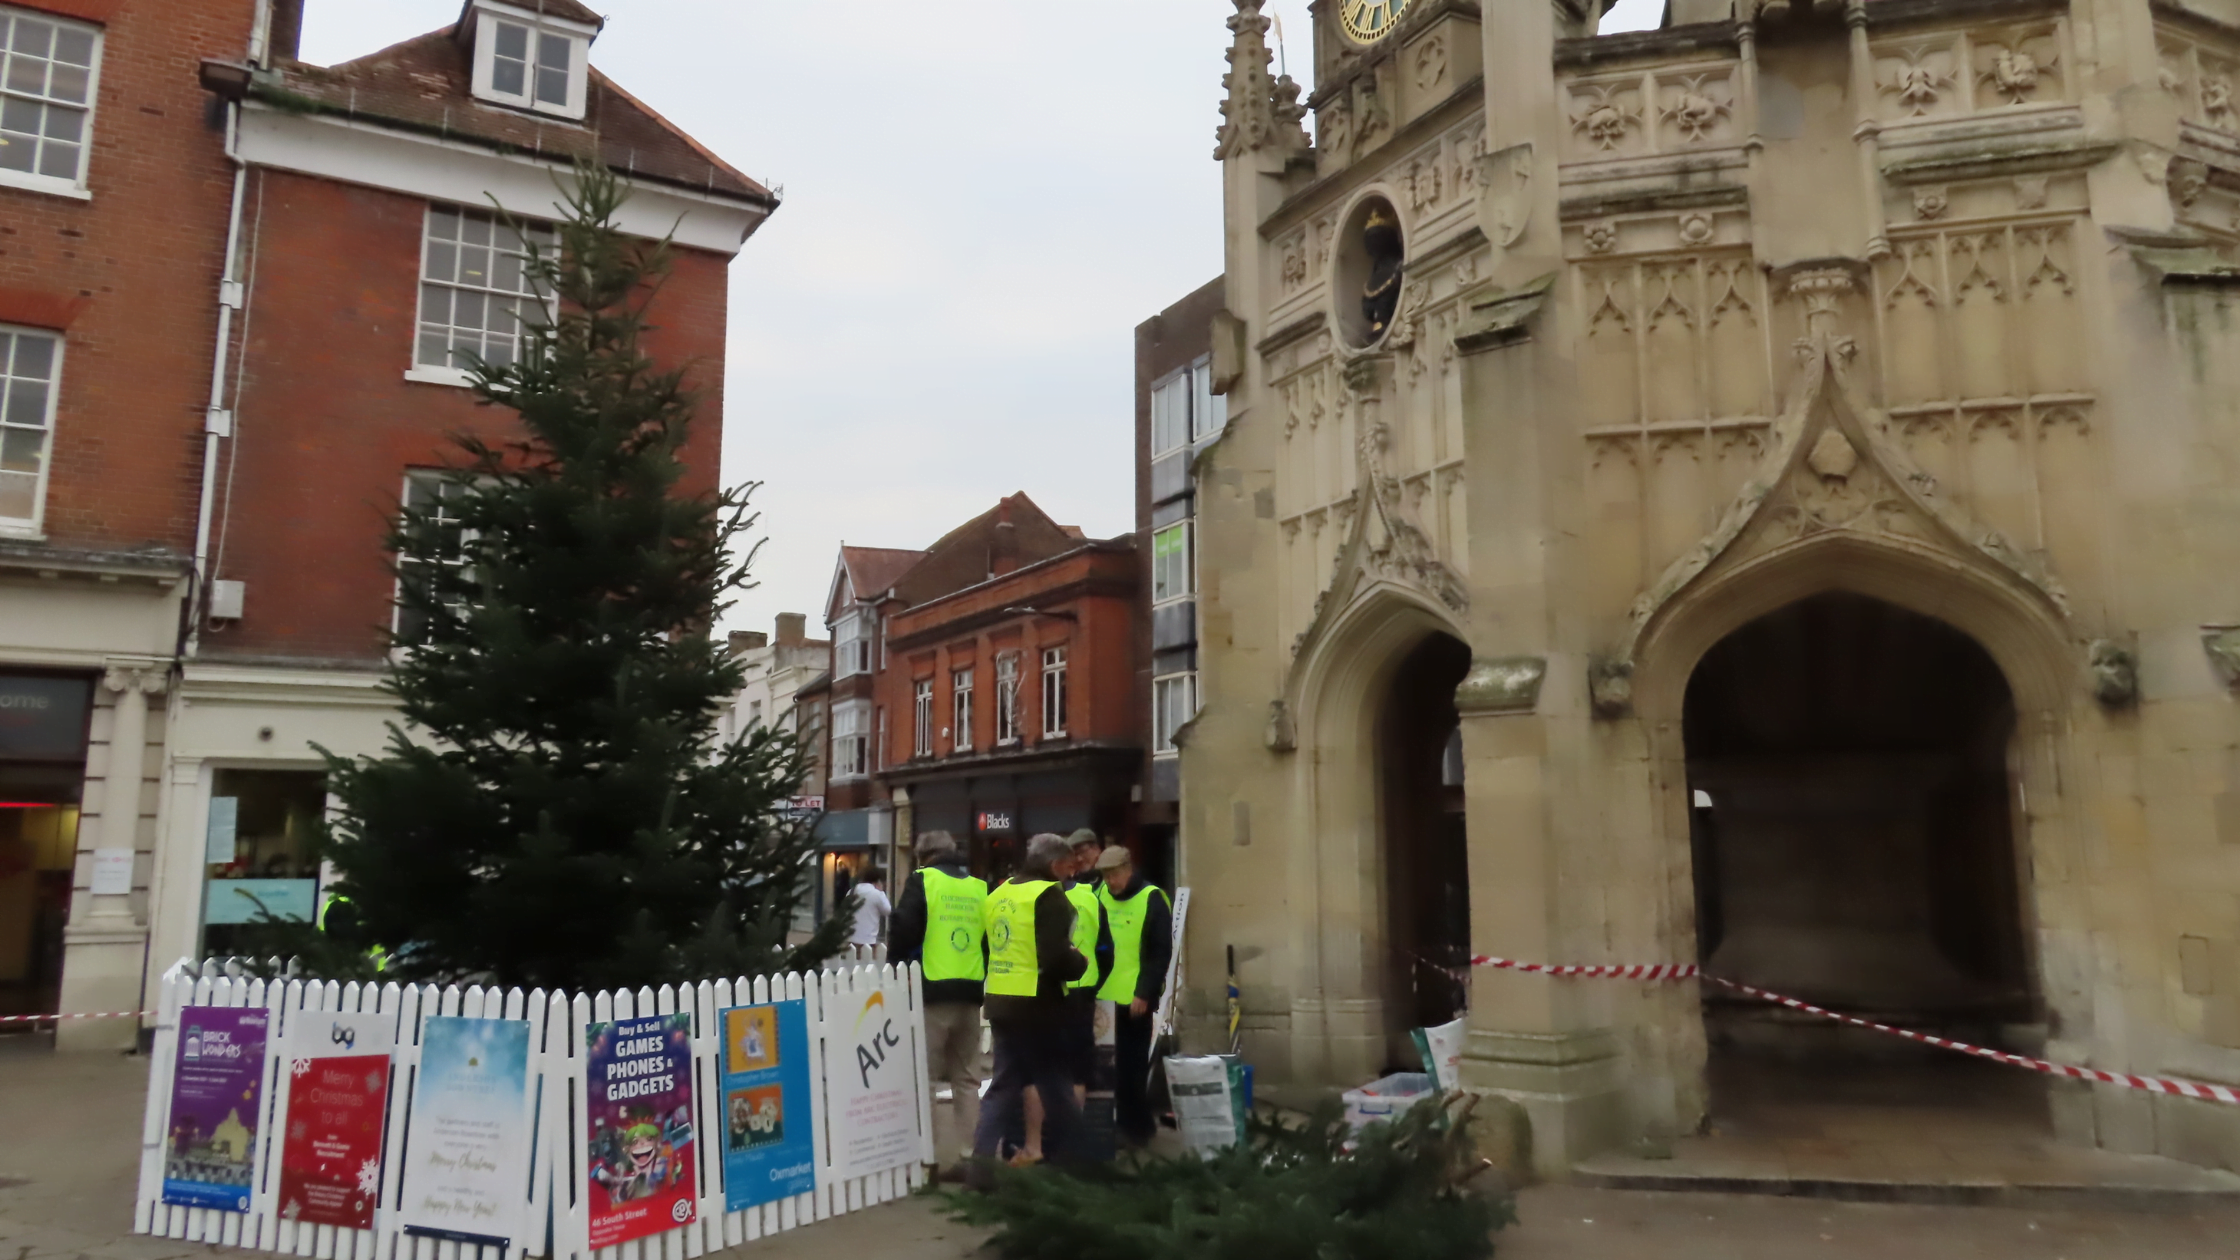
<point>329,426</point>
<point>129,275</point>
<point>1081,601</point>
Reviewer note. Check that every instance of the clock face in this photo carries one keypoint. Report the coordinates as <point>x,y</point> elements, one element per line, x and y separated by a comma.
<point>1367,21</point>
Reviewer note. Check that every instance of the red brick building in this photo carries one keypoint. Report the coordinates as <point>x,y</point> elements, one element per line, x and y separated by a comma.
<point>115,196</point>
<point>1001,685</point>
<point>365,266</point>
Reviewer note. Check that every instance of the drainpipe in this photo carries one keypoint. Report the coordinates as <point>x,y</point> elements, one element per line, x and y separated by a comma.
<point>217,423</point>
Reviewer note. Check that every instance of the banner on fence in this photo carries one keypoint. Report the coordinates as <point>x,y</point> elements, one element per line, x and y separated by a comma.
<point>217,1096</point>
<point>466,1160</point>
<point>871,1085</point>
<point>769,1141</point>
<point>639,1125</point>
<point>337,1100</point>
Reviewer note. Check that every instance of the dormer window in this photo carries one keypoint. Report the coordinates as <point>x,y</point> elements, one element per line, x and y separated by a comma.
<point>530,60</point>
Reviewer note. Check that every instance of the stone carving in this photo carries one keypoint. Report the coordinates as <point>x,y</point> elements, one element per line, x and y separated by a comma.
<point>1835,468</point>
<point>2188,180</point>
<point>1505,194</point>
<point>1431,62</point>
<point>2030,192</point>
<point>1604,119</point>
<point>1425,181</point>
<point>1695,229</point>
<point>1610,687</point>
<point>2115,674</point>
<point>1917,84</point>
<point>1294,261</point>
<point>2014,73</point>
<point>1692,110</point>
<point>1504,684</point>
<point>1599,237</point>
<point>2016,67</point>
<point>2216,101</point>
<point>1334,128</point>
<point>1256,113</point>
<point>1930,203</point>
<point>2222,643</point>
<point>1282,734</point>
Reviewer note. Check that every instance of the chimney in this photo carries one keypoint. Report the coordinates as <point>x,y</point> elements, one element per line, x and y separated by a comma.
<point>793,628</point>
<point>747,641</point>
<point>284,38</point>
<point>1003,550</point>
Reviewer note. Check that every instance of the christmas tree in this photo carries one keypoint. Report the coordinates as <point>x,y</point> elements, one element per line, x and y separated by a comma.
<point>1399,1191</point>
<point>555,808</point>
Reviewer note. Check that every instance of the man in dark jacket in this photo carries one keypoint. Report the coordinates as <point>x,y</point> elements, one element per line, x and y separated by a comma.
<point>1031,962</point>
<point>1141,921</point>
<point>940,924</point>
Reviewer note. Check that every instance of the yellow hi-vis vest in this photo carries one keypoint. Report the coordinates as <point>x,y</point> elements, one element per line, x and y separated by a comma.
<point>1014,970</point>
<point>1126,918</point>
<point>956,911</point>
<point>1085,919</point>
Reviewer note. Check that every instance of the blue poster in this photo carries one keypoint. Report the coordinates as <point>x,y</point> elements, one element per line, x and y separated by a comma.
<point>217,1091</point>
<point>769,1139</point>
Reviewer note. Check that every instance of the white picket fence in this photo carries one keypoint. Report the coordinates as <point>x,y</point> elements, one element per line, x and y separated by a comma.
<point>556,1214</point>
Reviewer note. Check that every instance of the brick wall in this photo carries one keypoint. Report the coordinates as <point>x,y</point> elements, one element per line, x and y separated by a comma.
<point>328,425</point>
<point>140,264</point>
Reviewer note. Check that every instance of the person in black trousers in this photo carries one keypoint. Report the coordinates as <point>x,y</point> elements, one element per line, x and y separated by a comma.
<point>1141,921</point>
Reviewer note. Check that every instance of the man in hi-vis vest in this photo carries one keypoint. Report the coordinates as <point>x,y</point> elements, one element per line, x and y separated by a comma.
<point>939,923</point>
<point>1031,963</point>
<point>1141,921</point>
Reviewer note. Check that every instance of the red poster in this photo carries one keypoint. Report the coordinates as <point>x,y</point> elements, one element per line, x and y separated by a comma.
<point>330,1163</point>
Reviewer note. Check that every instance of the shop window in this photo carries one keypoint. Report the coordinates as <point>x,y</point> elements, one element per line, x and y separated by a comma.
<point>260,836</point>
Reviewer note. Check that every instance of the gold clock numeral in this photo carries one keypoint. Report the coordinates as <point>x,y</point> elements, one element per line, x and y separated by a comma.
<point>1370,20</point>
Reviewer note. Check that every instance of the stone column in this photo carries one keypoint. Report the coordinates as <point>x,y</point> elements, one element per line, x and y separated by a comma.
<point>105,944</point>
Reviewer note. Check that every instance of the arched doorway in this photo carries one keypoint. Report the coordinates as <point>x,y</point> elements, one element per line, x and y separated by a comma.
<point>1853,832</point>
<point>1426,849</point>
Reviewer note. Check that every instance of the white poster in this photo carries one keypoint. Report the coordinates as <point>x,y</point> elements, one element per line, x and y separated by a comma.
<point>112,872</point>
<point>871,1082</point>
<point>466,1157</point>
<point>1164,1024</point>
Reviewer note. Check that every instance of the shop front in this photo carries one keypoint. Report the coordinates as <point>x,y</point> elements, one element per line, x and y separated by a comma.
<point>994,809</point>
<point>851,843</point>
<point>44,722</point>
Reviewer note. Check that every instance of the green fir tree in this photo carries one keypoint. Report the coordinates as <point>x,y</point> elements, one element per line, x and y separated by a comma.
<point>556,809</point>
<point>1407,1190</point>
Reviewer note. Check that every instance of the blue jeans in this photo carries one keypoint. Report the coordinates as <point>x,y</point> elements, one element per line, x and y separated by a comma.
<point>1034,1054</point>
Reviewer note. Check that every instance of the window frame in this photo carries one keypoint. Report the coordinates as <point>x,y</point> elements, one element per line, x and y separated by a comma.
<point>1163,729</point>
<point>537,27</point>
<point>921,717</point>
<point>1054,691</point>
<point>851,645</point>
<point>960,709</point>
<point>1164,444</point>
<point>34,526</point>
<point>77,185</point>
<point>1007,698</point>
<point>851,722</point>
<point>441,481</point>
<point>1203,403</point>
<point>446,373</point>
<point>1188,564</point>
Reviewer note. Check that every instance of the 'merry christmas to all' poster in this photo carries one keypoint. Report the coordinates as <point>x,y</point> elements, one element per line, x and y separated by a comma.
<point>466,1158</point>
<point>338,1094</point>
<point>769,1139</point>
<point>217,1091</point>
<point>638,1120</point>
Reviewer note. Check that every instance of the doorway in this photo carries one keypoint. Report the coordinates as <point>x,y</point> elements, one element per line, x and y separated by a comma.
<point>1426,846</point>
<point>1854,842</point>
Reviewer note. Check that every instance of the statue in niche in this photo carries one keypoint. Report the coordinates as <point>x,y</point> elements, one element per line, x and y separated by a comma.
<point>1380,294</point>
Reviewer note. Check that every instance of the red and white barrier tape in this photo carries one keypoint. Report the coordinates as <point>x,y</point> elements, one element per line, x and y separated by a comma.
<point>40,1019</point>
<point>1689,971</point>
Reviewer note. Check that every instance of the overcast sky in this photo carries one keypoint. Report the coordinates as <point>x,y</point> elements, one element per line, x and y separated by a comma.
<point>981,203</point>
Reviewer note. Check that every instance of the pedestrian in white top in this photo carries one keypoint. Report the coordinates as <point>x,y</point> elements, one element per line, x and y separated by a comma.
<point>872,910</point>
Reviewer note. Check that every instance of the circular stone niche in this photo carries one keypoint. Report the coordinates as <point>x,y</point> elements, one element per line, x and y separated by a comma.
<point>1366,286</point>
